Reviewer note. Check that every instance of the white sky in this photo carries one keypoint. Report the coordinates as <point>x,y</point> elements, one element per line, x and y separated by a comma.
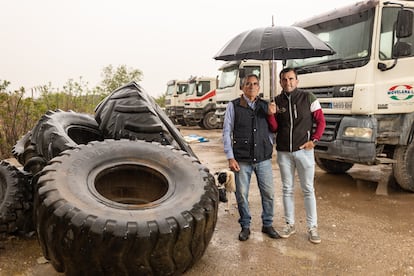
<point>55,40</point>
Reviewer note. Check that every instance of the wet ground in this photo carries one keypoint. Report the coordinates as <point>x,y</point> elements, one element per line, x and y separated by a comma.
<point>362,231</point>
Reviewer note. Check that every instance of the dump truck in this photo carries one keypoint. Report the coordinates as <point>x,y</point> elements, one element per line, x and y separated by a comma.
<point>200,102</point>
<point>174,100</point>
<point>366,88</point>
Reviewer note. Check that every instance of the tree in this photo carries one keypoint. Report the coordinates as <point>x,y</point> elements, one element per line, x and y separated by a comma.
<point>114,78</point>
<point>3,85</point>
<point>17,116</point>
<point>161,100</point>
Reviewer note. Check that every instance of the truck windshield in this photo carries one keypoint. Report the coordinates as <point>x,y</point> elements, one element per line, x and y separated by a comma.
<point>228,77</point>
<point>350,36</point>
<point>170,89</point>
<point>191,88</point>
<point>203,87</point>
<point>182,88</point>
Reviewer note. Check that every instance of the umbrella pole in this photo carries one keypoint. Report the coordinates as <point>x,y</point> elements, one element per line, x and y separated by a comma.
<point>272,80</point>
<point>272,77</point>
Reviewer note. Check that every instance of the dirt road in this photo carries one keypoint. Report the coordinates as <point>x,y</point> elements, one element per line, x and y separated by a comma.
<point>362,233</point>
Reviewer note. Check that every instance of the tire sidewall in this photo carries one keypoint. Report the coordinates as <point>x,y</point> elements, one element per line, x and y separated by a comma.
<point>78,171</point>
<point>403,169</point>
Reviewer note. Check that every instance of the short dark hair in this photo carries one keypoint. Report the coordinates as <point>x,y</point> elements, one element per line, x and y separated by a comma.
<point>288,69</point>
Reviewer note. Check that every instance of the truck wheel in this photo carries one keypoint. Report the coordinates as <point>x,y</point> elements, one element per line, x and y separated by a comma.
<point>15,200</point>
<point>122,207</point>
<point>209,120</point>
<point>404,167</point>
<point>129,112</point>
<point>182,122</point>
<point>332,166</point>
<point>55,132</point>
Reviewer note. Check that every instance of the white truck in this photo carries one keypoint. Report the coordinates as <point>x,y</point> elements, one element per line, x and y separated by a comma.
<point>200,102</point>
<point>174,100</point>
<point>230,78</point>
<point>366,88</point>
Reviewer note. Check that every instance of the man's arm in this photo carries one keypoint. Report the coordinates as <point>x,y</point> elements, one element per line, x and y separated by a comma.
<point>228,125</point>
<point>271,117</point>
<point>318,118</point>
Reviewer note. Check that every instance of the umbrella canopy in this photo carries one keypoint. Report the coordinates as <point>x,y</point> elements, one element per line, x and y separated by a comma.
<point>274,43</point>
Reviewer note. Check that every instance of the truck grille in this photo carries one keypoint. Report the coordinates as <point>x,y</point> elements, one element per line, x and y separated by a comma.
<point>337,91</point>
<point>332,124</point>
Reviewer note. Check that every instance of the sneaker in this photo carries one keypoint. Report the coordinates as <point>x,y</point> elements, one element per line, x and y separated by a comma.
<point>287,231</point>
<point>313,235</point>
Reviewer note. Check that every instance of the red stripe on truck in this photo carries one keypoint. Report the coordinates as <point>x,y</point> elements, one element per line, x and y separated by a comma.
<point>210,94</point>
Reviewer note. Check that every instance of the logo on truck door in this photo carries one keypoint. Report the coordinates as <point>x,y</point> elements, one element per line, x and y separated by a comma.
<point>401,92</point>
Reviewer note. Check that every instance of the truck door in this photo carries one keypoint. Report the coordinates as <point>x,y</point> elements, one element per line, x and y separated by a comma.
<point>394,82</point>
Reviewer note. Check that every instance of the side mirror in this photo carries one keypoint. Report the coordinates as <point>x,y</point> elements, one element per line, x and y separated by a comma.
<point>404,24</point>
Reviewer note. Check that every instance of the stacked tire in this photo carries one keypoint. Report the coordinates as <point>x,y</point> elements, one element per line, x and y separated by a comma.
<point>120,193</point>
<point>16,199</point>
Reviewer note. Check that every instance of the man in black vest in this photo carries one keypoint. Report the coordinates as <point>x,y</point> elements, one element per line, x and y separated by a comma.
<point>248,147</point>
<point>295,113</point>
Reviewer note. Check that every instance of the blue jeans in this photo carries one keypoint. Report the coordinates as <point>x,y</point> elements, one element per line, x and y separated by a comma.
<point>303,161</point>
<point>264,176</point>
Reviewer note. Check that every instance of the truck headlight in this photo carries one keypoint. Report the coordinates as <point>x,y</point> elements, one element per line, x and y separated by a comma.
<point>358,132</point>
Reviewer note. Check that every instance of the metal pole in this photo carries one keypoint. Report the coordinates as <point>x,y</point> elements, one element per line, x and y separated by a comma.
<point>272,77</point>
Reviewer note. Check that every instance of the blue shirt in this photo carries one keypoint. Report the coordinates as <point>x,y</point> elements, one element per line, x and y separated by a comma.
<point>228,126</point>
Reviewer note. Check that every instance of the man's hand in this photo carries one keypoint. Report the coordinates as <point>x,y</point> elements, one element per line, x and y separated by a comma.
<point>272,108</point>
<point>234,165</point>
<point>308,145</point>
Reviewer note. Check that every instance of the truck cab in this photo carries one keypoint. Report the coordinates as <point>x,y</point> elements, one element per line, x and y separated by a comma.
<point>366,88</point>
<point>200,102</point>
<point>174,100</point>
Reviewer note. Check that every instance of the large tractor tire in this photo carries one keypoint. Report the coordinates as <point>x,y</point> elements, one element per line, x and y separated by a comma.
<point>122,207</point>
<point>332,166</point>
<point>16,200</point>
<point>129,112</point>
<point>404,167</point>
<point>55,132</point>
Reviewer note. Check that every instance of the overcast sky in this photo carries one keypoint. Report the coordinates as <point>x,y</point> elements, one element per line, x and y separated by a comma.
<point>53,41</point>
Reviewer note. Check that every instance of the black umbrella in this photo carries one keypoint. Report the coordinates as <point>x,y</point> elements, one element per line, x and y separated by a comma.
<point>274,43</point>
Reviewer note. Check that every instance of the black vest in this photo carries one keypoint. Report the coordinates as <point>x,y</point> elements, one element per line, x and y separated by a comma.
<point>251,141</point>
<point>294,120</point>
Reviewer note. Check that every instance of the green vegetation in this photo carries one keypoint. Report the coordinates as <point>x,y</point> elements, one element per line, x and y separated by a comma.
<point>21,109</point>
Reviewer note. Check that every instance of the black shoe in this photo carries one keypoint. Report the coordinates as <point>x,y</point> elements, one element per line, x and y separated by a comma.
<point>244,234</point>
<point>271,232</point>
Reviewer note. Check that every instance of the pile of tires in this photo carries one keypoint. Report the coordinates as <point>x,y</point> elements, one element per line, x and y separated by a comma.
<point>16,199</point>
<point>120,193</point>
